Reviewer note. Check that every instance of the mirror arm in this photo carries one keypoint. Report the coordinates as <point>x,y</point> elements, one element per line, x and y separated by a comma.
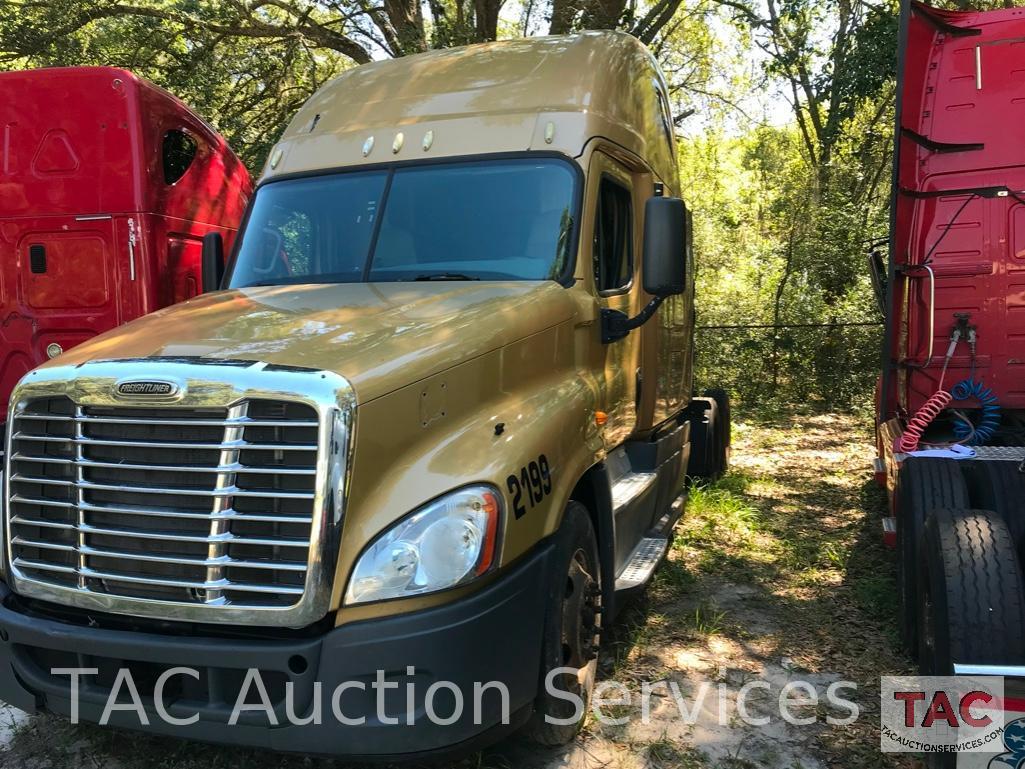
<point>616,325</point>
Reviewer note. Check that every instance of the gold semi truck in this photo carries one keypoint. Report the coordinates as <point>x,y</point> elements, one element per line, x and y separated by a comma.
<point>379,495</point>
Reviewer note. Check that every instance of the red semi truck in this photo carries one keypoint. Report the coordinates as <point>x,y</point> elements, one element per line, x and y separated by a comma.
<point>951,399</point>
<point>107,186</point>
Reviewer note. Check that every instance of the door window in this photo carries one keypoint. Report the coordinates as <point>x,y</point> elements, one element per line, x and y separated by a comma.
<point>613,237</point>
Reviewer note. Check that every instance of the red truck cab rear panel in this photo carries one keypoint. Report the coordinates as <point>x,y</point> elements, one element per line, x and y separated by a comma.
<point>959,205</point>
<point>107,186</point>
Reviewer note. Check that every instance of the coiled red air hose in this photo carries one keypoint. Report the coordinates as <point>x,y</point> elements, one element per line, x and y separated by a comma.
<point>922,419</point>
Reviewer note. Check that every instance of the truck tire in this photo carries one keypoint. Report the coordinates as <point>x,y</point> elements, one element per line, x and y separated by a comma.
<point>999,486</point>
<point>923,485</point>
<point>724,428</point>
<point>704,418</point>
<point>973,600</point>
<point>571,632</point>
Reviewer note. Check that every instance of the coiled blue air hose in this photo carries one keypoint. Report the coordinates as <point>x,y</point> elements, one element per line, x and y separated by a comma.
<point>989,422</point>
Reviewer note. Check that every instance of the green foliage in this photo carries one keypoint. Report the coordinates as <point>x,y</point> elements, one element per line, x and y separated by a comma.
<point>248,88</point>
<point>775,249</point>
<point>787,213</point>
<point>248,67</point>
<point>786,105</point>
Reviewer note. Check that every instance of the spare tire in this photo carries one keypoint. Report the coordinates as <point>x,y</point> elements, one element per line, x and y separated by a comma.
<point>923,485</point>
<point>973,600</point>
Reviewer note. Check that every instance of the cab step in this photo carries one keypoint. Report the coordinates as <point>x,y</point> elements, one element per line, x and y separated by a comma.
<point>642,564</point>
<point>629,487</point>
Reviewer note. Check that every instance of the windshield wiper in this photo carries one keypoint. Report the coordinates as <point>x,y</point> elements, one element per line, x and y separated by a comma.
<point>444,276</point>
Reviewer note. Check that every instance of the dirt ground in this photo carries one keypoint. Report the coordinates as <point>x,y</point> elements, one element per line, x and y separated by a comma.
<point>777,575</point>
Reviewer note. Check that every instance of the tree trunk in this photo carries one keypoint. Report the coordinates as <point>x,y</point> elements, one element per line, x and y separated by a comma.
<point>487,19</point>
<point>407,19</point>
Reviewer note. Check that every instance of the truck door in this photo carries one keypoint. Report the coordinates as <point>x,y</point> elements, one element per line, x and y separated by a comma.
<point>65,286</point>
<point>615,247</point>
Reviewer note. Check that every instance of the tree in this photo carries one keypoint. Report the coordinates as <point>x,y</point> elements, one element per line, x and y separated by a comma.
<point>359,30</point>
<point>828,55</point>
<point>247,65</point>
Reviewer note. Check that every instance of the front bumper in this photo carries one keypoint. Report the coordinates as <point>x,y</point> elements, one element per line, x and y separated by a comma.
<point>495,635</point>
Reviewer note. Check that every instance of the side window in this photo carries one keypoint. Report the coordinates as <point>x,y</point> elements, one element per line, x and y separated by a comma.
<point>178,152</point>
<point>664,113</point>
<point>613,237</point>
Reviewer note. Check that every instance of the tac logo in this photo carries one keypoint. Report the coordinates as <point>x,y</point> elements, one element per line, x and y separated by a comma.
<point>940,708</point>
<point>929,714</point>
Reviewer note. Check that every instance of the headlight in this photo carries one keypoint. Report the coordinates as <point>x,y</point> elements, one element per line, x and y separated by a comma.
<point>446,543</point>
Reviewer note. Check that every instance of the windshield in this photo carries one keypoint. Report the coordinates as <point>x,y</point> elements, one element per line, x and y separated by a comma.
<point>482,220</point>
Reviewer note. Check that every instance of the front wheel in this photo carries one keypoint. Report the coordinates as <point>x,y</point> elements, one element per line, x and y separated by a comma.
<point>570,649</point>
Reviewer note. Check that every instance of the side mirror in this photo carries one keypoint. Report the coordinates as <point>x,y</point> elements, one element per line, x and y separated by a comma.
<point>213,261</point>
<point>664,264</point>
<point>665,247</point>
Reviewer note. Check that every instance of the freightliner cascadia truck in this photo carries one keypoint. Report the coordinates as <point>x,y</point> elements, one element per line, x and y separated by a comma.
<point>107,186</point>
<point>951,400</point>
<point>429,435</point>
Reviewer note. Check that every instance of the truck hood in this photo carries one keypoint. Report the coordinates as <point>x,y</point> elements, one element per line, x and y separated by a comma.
<point>380,336</point>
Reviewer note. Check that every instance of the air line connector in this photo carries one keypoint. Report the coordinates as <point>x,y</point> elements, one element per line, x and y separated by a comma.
<point>963,330</point>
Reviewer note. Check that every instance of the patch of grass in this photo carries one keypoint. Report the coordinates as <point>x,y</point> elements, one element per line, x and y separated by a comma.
<point>736,566</point>
<point>724,531</point>
<point>719,512</point>
<point>835,554</point>
<point>876,594</point>
<point>707,620</point>
<point>672,580</point>
<point>723,504</point>
<point>629,637</point>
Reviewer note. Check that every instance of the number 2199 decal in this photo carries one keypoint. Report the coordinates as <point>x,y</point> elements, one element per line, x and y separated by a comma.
<point>535,479</point>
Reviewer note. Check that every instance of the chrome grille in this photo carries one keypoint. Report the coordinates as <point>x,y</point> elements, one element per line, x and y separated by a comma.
<point>206,506</point>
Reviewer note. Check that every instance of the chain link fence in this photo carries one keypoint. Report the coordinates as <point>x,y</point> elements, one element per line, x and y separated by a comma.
<point>831,366</point>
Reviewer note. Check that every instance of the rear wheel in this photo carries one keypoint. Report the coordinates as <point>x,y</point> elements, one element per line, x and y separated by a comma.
<point>571,633</point>
<point>723,429</point>
<point>1000,487</point>
<point>704,420</point>
<point>972,607</point>
<point>924,484</point>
